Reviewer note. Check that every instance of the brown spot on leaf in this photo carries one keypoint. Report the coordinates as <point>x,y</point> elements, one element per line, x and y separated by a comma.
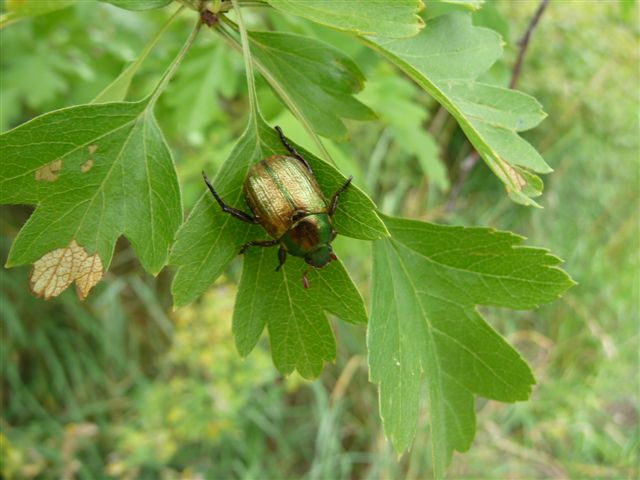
<point>86,166</point>
<point>58,269</point>
<point>92,149</point>
<point>50,172</point>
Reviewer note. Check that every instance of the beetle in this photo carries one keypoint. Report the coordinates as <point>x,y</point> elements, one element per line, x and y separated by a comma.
<point>286,200</point>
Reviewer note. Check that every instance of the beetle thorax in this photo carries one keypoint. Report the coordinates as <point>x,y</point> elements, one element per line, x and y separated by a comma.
<point>308,234</point>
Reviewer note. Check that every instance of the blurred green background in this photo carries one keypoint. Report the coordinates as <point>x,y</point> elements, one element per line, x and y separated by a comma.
<point>122,386</point>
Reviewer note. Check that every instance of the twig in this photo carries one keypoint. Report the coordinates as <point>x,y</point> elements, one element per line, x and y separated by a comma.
<point>523,43</point>
<point>472,159</point>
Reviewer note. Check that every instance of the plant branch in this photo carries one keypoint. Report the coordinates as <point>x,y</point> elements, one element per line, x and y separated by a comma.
<point>523,43</point>
<point>168,74</point>
<point>471,160</point>
<point>275,85</point>
<point>187,3</point>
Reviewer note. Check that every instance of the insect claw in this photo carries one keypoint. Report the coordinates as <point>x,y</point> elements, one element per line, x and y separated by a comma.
<point>305,280</point>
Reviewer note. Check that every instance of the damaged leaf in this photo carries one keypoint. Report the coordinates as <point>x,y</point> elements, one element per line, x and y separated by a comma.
<point>299,332</point>
<point>50,172</point>
<point>58,269</point>
<point>113,176</point>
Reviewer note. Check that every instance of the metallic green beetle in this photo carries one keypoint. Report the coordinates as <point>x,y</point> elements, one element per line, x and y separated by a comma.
<point>285,199</point>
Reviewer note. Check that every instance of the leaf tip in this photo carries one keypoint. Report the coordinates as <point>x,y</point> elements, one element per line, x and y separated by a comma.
<point>179,301</point>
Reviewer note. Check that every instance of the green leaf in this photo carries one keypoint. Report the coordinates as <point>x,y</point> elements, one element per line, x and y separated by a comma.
<point>425,328</point>
<point>37,77</point>
<point>210,239</point>
<point>445,59</point>
<point>95,172</point>
<point>395,19</point>
<point>138,5</point>
<point>300,335</point>
<point>314,79</point>
<point>393,99</point>
<point>195,92</point>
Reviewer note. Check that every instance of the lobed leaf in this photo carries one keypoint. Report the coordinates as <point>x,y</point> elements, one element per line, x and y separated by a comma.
<point>300,335</point>
<point>425,329</point>
<point>315,79</point>
<point>445,59</point>
<point>383,18</point>
<point>210,239</point>
<point>95,172</point>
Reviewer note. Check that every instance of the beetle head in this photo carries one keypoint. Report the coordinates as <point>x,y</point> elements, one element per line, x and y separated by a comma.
<point>319,257</point>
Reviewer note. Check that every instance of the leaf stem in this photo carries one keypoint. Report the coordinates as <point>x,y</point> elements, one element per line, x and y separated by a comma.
<point>277,88</point>
<point>169,72</point>
<point>523,43</point>
<point>189,4</point>
<point>248,64</point>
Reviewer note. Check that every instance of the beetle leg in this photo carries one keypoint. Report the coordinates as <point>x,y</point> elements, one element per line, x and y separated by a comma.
<point>258,243</point>
<point>282,257</point>
<point>305,280</point>
<point>336,196</point>
<point>292,150</point>
<point>239,214</point>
